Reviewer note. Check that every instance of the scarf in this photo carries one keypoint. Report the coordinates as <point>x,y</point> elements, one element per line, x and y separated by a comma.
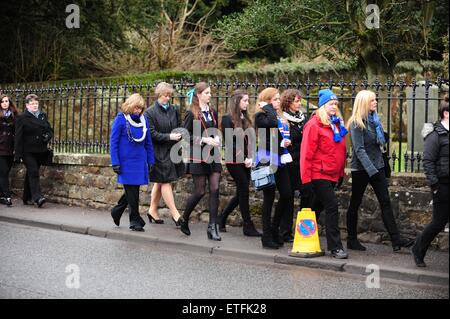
<point>374,120</point>
<point>284,131</point>
<point>338,134</point>
<point>297,118</point>
<point>138,122</point>
<point>7,113</point>
<point>36,114</point>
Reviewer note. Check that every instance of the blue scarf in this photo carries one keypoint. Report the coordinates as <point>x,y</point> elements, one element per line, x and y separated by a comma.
<point>284,131</point>
<point>165,106</point>
<point>374,120</point>
<point>338,134</point>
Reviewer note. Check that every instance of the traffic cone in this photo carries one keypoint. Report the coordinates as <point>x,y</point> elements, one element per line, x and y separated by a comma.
<point>306,239</point>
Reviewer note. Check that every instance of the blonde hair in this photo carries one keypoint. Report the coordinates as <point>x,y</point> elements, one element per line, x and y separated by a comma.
<point>134,100</point>
<point>162,88</point>
<point>361,108</point>
<point>266,95</point>
<point>322,113</point>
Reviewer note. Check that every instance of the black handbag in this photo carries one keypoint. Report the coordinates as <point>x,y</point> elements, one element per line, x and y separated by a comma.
<point>262,177</point>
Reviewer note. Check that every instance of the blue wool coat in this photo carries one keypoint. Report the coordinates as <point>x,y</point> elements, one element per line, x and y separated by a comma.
<point>132,157</point>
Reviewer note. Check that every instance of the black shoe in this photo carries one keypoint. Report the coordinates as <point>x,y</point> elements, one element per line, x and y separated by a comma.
<point>6,201</point>
<point>177,222</point>
<point>152,219</point>
<point>402,243</point>
<point>184,226</point>
<point>288,238</point>
<point>354,244</point>
<point>221,221</point>
<point>41,201</point>
<point>137,228</point>
<point>268,243</point>
<point>339,254</point>
<point>276,237</point>
<point>213,232</point>
<point>249,229</point>
<point>417,259</point>
<point>114,216</point>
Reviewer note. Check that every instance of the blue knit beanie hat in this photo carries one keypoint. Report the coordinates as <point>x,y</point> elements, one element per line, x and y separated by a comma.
<point>325,96</point>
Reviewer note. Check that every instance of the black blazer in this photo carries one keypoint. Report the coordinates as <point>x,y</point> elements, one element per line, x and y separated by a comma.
<point>32,134</point>
<point>268,120</point>
<point>188,124</point>
<point>227,122</point>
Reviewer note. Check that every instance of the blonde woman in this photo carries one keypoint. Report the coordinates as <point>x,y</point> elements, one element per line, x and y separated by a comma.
<point>131,157</point>
<point>270,118</point>
<point>164,118</point>
<point>322,162</point>
<point>368,167</point>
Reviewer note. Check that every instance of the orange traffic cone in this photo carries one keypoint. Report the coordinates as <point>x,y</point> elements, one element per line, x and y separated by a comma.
<point>306,239</point>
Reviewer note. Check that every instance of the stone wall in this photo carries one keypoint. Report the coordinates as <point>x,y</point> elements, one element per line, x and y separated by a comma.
<point>88,180</point>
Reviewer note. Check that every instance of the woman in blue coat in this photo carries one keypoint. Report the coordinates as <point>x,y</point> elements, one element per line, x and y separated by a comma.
<point>132,158</point>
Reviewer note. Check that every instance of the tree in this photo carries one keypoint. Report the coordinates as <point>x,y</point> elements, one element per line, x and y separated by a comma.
<point>404,30</point>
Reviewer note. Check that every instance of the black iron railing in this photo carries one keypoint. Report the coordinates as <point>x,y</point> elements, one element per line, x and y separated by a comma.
<point>82,114</point>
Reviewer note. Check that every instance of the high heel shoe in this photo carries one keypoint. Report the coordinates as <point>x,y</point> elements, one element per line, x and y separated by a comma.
<point>213,232</point>
<point>177,222</point>
<point>152,219</point>
<point>184,226</point>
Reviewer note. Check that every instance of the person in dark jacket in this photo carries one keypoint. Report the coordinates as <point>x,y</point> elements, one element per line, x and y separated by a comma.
<point>238,159</point>
<point>436,167</point>
<point>8,115</point>
<point>33,132</point>
<point>132,158</point>
<point>368,167</point>
<point>204,164</point>
<point>322,163</point>
<point>270,118</point>
<point>291,106</point>
<point>164,118</point>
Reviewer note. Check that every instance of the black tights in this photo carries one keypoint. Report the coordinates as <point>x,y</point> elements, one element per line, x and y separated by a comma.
<point>200,191</point>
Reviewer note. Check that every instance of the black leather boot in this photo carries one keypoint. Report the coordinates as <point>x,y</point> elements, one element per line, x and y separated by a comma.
<point>250,230</point>
<point>213,232</point>
<point>267,242</point>
<point>222,221</point>
<point>184,226</point>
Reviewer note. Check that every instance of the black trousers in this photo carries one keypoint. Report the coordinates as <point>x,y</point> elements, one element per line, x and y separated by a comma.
<point>360,179</point>
<point>438,222</point>
<point>130,198</point>
<point>325,198</point>
<point>32,186</point>
<point>287,222</point>
<point>5,167</point>
<point>284,205</point>
<point>241,176</point>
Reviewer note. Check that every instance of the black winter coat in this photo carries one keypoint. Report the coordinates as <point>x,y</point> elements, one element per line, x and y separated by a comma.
<point>268,120</point>
<point>32,134</point>
<point>238,151</point>
<point>436,155</point>
<point>161,123</point>
<point>7,135</point>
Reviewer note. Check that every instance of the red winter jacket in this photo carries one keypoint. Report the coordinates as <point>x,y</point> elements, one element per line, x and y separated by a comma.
<point>320,156</point>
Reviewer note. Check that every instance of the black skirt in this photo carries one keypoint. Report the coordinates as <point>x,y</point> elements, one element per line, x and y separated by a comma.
<point>203,168</point>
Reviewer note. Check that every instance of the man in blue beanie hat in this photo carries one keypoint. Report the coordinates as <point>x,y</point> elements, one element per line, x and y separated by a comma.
<point>325,96</point>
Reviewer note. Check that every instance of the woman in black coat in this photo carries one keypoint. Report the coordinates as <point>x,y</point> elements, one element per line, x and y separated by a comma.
<point>205,160</point>
<point>164,118</point>
<point>8,114</point>
<point>33,132</point>
<point>291,107</point>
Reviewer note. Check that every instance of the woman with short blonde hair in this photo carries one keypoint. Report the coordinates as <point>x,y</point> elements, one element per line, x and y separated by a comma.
<point>164,119</point>
<point>131,151</point>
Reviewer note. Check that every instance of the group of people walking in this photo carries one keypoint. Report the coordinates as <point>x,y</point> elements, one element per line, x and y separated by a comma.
<point>308,158</point>
<point>23,138</point>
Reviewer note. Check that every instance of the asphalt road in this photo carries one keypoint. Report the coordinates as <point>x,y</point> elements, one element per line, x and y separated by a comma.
<point>40,263</point>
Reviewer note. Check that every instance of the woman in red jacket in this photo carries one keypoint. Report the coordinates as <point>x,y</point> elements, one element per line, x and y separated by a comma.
<point>322,162</point>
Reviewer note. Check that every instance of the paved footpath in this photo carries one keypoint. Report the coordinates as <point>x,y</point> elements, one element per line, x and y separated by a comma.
<point>398,266</point>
